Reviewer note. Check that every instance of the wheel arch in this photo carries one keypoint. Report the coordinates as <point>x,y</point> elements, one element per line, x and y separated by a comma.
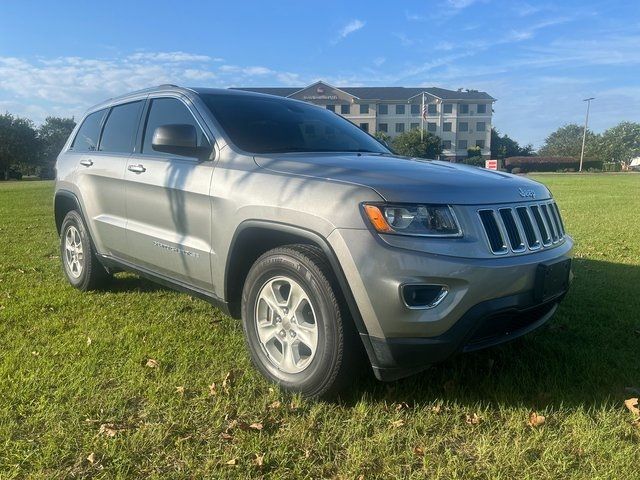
<point>254,237</point>
<point>65,201</point>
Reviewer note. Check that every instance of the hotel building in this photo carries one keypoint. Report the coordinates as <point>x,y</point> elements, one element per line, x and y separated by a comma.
<point>461,118</point>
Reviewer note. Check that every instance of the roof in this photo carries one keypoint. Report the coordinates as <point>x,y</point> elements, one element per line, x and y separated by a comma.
<point>383,93</point>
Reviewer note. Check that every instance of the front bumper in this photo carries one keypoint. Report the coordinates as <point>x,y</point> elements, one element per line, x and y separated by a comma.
<point>490,300</point>
<point>487,324</point>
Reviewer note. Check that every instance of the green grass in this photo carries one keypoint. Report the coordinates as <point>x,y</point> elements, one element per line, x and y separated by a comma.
<point>71,362</point>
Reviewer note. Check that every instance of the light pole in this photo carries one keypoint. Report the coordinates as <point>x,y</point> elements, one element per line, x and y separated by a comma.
<point>584,134</point>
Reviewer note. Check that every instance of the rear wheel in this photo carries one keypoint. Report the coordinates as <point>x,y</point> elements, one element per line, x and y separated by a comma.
<point>79,261</point>
<point>297,329</point>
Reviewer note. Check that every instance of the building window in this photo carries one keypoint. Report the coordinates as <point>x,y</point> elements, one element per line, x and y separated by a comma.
<point>446,144</point>
<point>463,127</point>
<point>331,107</point>
<point>383,109</point>
<point>447,107</point>
<point>399,109</point>
<point>480,126</point>
<point>364,108</point>
<point>480,143</point>
<point>383,127</point>
<point>463,108</point>
<point>400,127</point>
<point>482,108</point>
<point>446,127</point>
<point>364,126</point>
<point>432,109</point>
<point>431,127</point>
<point>415,109</point>
<point>415,126</point>
<point>462,144</point>
<point>345,109</point>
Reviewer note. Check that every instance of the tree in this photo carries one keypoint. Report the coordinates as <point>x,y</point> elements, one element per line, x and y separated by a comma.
<point>621,143</point>
<point>53,134</point>
<point>383,137</point>
<point>503,146</point>
<point>567,142</point>
<point>474,157</point>
<point>410,144</point>
<point>18,143</point>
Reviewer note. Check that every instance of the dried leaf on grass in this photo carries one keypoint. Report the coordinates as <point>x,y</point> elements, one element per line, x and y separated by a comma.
<point>418,451</point>
<point>152,363</point>
<point>180,390</point>
<point>632,405</point>
<point>472,419</point>
<point>213,389</point>
<point>275,405</point>
<point>397,423</point>
<point>258,460</point>
<point>233,462</point>
<point>91,458</point>
<point>535,419</point>
<point>110,429</point>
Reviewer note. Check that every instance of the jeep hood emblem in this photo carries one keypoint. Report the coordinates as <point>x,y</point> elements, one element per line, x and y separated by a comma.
<point>526,193</point>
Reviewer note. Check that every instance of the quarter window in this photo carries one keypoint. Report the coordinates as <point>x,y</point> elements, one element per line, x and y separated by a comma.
<point>169,111</point>
<point>120,128</point>
<point>87,137</point>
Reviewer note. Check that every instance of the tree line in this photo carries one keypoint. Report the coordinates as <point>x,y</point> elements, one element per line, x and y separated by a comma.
<point>29,150</point>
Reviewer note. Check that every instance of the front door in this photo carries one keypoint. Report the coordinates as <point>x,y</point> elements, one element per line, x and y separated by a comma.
<point>167,202</point>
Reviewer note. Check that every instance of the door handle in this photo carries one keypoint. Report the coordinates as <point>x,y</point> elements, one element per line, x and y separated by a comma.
<point>86,162</point>
<point>139,168</point>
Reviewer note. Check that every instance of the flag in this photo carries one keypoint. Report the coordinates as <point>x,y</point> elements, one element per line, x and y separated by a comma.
<point>424,111</point>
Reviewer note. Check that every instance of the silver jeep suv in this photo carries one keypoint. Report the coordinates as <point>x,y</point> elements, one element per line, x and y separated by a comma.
<point>329,247</point>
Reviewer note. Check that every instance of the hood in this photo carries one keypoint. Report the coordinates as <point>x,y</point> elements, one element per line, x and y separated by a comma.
<point>410,180</point>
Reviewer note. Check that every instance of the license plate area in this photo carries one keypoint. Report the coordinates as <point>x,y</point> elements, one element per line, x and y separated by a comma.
<point>552,280</point>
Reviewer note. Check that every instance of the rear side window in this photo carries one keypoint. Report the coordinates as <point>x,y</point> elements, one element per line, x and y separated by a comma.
<point>120,129</point>
<point>169,111</point>
<point>87,138</point>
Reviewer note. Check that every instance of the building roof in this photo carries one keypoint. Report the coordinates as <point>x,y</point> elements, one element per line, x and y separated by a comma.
<point>383,93</point>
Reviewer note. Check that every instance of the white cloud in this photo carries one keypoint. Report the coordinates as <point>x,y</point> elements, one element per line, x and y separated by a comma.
<point>349,28</point>
<point>460,4</point>
<point>171,57</point>
<point>378,61</point>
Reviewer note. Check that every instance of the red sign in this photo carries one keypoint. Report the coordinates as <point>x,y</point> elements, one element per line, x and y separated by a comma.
<point>491,164</point>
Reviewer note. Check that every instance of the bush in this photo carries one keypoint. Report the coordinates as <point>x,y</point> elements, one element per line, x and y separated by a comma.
<point>516,170</point>
<point>611,167</point>
<point>476,161</point>
<point>549,164</point>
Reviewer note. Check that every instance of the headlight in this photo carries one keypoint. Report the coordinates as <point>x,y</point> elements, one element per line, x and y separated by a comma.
<point>419,220</point>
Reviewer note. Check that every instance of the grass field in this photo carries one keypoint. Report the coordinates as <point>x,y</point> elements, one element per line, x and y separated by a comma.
<point>79,397</point>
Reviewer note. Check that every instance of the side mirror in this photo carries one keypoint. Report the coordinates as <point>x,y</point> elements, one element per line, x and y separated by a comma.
<point>178,139</point>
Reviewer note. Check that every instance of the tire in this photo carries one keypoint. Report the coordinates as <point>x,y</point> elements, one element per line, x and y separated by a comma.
<point>277,337</point>
<point>79,262</point>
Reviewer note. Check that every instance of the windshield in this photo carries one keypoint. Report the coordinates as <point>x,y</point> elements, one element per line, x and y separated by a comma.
<point>273,125</point>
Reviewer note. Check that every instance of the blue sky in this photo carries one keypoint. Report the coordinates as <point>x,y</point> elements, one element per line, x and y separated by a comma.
<point>538,59</point>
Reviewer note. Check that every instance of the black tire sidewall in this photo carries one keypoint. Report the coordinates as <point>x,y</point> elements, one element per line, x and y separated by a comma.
<point>327,318</point>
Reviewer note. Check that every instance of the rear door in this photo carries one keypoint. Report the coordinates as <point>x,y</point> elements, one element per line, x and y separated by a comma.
<point>102,159</point>
<point>167,200</point>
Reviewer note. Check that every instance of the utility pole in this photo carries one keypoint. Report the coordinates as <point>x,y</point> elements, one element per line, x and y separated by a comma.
<point>584,134</point>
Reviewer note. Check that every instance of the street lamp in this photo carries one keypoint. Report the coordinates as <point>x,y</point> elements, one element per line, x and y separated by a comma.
<point>584,134</point>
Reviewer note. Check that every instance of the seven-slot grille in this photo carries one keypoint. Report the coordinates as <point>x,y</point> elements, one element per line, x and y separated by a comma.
<point>518,228</point>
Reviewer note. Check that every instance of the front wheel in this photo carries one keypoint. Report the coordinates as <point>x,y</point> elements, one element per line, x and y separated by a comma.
<point>297,329</point>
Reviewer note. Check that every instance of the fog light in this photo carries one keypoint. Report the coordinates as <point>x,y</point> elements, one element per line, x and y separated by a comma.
<point>416,296</point>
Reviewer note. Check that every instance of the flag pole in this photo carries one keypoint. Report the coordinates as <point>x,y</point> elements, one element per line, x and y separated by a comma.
<point>422,120</point>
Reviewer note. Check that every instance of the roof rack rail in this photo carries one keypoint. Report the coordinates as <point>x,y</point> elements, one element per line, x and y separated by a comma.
<point>167,85</point>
